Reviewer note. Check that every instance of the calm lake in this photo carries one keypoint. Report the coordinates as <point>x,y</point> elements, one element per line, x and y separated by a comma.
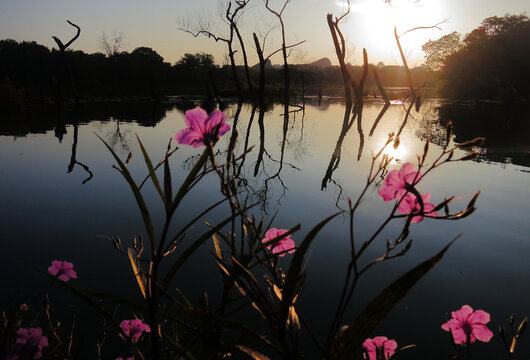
<point>60,197</point>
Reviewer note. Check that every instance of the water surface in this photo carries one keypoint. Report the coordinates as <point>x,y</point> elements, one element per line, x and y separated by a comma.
<point>61,198</point>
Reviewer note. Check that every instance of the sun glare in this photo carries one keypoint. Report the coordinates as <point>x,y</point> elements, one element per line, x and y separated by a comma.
<point>371,26</point>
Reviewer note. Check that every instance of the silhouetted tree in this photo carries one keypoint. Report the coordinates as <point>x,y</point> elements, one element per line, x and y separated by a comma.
<point>65,65</point>
<point>111,45</point>
<point>233,10</point>
<point>493,63</point>
<point>438,50</point>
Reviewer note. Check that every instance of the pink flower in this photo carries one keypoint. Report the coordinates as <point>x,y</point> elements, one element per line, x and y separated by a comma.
<point>394,185</point>
<point>134,329</point>
<point>282,246</point>
<point>29,344</point>
<point>23,307</point>
<point>410,204</point>
<point>379,348</point>
<point>202,129</point>
<point>468,323</point>
<point>63,270</point>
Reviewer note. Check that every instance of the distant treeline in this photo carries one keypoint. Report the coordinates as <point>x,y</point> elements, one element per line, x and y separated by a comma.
<point>491,62</point>
<point>31,71</point>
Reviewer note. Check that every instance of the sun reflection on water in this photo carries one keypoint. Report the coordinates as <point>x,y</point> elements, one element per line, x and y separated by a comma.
<point>397,154</point>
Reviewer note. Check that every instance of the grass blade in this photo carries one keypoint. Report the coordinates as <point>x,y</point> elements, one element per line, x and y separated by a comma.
<point>168,190</point>
<point>152,172</point>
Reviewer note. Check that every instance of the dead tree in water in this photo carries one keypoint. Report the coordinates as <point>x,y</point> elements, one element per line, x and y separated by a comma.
<point>263,60</point>
<point>261,93</point>
<point>279,14</point>
<point>64,63</point>
<point>233,23</point>
<point>414,96</point>
<point>232,14</point>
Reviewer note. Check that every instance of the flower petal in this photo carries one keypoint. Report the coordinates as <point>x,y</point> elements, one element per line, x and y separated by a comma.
<point>462,314</point>
<point>479,317</point>
<point>482,333</point>
<point>189,137</point>
<point>195,117</point>
<point>215,118</point>
<point>459,335</point>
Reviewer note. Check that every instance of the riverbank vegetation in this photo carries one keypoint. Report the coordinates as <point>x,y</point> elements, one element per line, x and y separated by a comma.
<point>31,71</point>
<point>489,63</point>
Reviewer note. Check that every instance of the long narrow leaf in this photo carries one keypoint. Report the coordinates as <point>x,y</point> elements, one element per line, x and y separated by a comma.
<point>184,188</point>
<point>362,327</point>
<point>152,172</point>
<point>137,195</point>
<point>137,274</point>
<point>168,190</point>
<point>296,265</point>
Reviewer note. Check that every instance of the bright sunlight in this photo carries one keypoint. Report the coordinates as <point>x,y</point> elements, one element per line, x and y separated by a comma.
<point>371,25</point>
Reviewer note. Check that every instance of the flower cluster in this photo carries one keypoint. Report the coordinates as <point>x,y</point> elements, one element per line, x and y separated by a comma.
<point>398,184</point>
<point>466,326</point>
<point>29,344</point>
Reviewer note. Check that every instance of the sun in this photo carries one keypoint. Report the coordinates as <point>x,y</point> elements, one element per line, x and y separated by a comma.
<point>371,25</point>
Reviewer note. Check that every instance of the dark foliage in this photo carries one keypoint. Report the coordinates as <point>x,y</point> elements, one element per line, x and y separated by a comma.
<point>493,63</point>
<point>31,71</point>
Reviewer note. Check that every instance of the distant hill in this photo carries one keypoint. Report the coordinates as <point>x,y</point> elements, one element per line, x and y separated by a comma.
<point>268,65</point>
<point>321,63</point>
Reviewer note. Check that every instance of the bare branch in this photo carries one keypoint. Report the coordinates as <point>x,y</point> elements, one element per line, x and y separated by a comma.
<point>286,47</point>
<point>435,26</point>
<point>205,33</point>
<point>65,46</point>
<point>337,20</point>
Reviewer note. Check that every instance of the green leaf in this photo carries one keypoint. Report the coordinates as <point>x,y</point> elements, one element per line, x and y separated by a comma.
<point>293,273</point>
<point>152,172</point>
<point>349,342</point>
<point>137,195</point>
<point>184,188</point>
<point>168,191</point>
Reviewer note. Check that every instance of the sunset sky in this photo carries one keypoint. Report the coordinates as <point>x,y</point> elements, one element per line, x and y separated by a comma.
<point>155,24</point>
